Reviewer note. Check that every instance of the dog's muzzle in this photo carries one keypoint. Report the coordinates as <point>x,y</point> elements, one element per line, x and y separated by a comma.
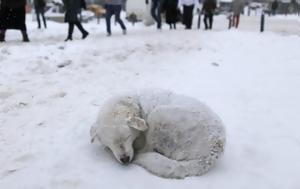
<point>125,159</point>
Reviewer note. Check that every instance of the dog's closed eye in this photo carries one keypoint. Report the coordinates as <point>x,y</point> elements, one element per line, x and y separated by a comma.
<point>107,149</point>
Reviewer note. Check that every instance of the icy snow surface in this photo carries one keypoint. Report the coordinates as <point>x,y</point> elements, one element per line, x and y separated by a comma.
<point>51,92</point>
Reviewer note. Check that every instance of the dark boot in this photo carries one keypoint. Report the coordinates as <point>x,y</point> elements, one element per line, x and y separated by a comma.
<point>2,36</point>
<point>82,30</point>
<point>25,36</point>
<point>85,34</point>
<point>69,38</point>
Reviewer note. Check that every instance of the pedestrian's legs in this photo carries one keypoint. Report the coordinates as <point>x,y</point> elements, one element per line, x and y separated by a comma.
<point>23,30</point>
<point>174,26</point>
<point>159,11</point>
<point>117,12</point>
<point>237,20</point>
<point>189,18</point>
<point>230,18</point>
<point>154,10</point>
<point>2,35</point>
<point>82,30</point>
<point>70,32</point>
<point>211,20</point>
<point>205,20</point>
<point>25,36</point>
<point>184,16</point>
<point>44,19</point>
<point>109,13</point>
<point>37,12</point>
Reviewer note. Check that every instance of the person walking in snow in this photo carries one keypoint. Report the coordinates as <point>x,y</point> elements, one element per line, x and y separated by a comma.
<point>12,16</point>
<point>188,11</point>
<point>274,7</point>
<point>114,7</point>
<point>208,10</point>
<point>73,9</point>
<point>172,13</point>
<point>156,10</point>
<point>237,8</point>
<point>39,6</point>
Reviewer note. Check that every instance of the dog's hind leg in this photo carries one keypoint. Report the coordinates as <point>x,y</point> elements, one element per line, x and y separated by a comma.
<point>168,168</point>
<point>161,165</point>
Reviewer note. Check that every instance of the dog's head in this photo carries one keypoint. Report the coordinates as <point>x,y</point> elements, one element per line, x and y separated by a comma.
<point>119,138</point>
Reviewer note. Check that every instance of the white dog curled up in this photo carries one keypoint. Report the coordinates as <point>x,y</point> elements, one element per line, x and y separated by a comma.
<point>170,135</point>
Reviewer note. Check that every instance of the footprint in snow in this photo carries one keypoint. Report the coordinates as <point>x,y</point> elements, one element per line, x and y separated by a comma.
<point>215,64</point>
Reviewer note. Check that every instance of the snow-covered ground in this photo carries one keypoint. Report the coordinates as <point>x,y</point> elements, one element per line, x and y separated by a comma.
<point>51,91</point>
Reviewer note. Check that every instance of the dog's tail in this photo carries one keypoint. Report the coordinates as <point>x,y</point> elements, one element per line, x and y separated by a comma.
<point>204,163</point>
<point>164,167</point>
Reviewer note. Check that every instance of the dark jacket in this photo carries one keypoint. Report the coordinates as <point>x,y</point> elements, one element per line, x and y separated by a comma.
<point>12,14</point>
<point>274,5</point>
<point>13,3</point>
<point>172,11</point>
<point>39,4</point>
<point>209,6</point>
<point>73,8</point>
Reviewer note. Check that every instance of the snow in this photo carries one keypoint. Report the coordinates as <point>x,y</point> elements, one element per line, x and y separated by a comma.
<point>51,91</point>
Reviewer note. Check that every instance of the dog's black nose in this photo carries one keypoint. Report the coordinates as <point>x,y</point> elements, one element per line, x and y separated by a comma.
<point>125,159</point>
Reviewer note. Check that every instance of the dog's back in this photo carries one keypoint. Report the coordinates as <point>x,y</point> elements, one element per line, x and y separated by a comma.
<point>185,137</point>
<point>149,100</point>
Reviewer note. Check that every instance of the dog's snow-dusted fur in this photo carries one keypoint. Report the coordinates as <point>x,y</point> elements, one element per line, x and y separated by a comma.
<point>172,136</point>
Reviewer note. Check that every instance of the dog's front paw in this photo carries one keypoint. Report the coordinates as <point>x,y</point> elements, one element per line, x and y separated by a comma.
<point>174,172</point>
<point>179,172</point>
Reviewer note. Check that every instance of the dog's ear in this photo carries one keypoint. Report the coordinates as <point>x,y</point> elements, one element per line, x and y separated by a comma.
<point>137,123</point>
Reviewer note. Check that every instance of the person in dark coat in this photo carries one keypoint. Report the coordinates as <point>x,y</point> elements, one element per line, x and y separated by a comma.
<point>172,13</point>
<point>12,16</point>
<point>39,6</point>
<point>156,11</point>
<point>274,7</point>
<point>114,7</point>
<point>73,9</point>
<point>208,9</point>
